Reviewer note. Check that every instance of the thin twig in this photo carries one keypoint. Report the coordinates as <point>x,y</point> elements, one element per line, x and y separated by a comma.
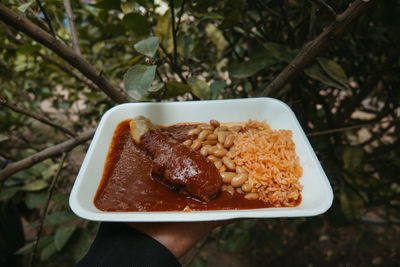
<point>171,4</point>
<point>38,117</point>
<point>49,195</point>
<point>313,19</point>
<point>320,44</point>
<point>174,67</point>
<point>323,4</point>
<point>342,129</point>
<point>49,152</point>
<point>74,34</point>
<point>45,17</point>
<point>69,55</point>
<point>180,15</point>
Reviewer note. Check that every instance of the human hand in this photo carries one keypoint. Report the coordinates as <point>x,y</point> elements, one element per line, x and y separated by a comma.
<point>178,237</point>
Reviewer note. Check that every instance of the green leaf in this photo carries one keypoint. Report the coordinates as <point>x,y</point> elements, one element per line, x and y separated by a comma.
<point>3,137</point>
<point>164,31</point>
<point>63,235</point>
<point>108,4</point>
<point>22,8</point>
<point>147,47</point>
<point>56,218</point>
<point>216,37</point>
<point>35,199</point>
<point>48,251</point>
<point>279,51</point>
<point>79,244</point>
<point>137,23</point>
<point>138,79</point>
<point>35,185</point>
<point>43,241</point>
<point>176,88</point>
<point>216,88</point>
<point>8,192</point>
<point>156,88</point>
<point>316,73</point>
<point>251,67</point>
<point>199,263</point>
<point>350,202</point>
<point>28,49</point>
<point>333,70</point>
<point>200,88</point>
<point>212,16</point>
<point>352,157</point>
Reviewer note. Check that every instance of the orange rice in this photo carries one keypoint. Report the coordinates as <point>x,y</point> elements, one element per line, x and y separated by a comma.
<point>270,158</point>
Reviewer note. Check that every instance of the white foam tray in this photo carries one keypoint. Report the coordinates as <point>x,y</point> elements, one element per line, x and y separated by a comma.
<point>317,194</point>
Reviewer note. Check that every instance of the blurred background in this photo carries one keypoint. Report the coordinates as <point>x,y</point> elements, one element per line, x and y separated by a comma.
<point>335,63</point>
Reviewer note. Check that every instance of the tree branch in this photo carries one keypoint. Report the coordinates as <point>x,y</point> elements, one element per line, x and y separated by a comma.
<point>48,21</point>
<point>342,129</point>
<point>44,154</point>
<point>49,195</point>
<point>38,117</point>
<point>319,45</point>
<point>323,4</point>
<point>171,4</point>
<point>13,19</point>
<point>74,34</point>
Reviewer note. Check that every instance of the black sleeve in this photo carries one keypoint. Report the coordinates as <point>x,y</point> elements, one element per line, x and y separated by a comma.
<point>118,244</point>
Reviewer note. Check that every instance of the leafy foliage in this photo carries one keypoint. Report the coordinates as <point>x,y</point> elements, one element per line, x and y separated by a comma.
<point>217,50</point>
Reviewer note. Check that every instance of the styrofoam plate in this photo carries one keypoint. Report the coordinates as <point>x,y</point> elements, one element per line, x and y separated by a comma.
<point>317,193</point>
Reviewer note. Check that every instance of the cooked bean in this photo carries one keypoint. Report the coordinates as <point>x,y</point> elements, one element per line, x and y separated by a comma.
<point>218,164</point>
<point>214,123</point>
<point>221,128</point>
<point>251,196</point>
<point>196,144</point>
<point>212,136</point>
<point>194,131</point>
<point>204,150</point>
<point>229,141</point>
<point>203,134</point>
<point>224,187</point>
<point>230,189</point>
<point>210,142</point>
<point>239,190</point>
<point>222,169</point>
<point>240,169</point>
<point>212,158</point>
<point>220,146</point>
<point>229,163</point>
<point>246,187</point>
<point>220,152</point>
<point>188,142</point>
<point>239,179</point>
<point>235,128</point>
<point>205,127</point>
<point>221,136</point>
<point>227,176</point>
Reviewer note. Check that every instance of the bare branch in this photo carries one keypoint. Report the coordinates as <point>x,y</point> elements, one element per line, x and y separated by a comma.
<point>171,4</point>
<point>74,34</point>
<point>319,45</point>
<point>313,19</point>
<point>38,117</point>
<point>342,129</point>
<point>48,21</point>
<point>44,154</point>
<point>13,19</point>
<point>323,4</point>
<point>174,67</point>
<point>46,207</point>
<point>180,15</point>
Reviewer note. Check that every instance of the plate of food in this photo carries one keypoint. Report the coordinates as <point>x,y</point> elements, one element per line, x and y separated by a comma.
<point>200,161</point>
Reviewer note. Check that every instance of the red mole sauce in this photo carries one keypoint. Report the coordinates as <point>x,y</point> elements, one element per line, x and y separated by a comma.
<point>127,183</point>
